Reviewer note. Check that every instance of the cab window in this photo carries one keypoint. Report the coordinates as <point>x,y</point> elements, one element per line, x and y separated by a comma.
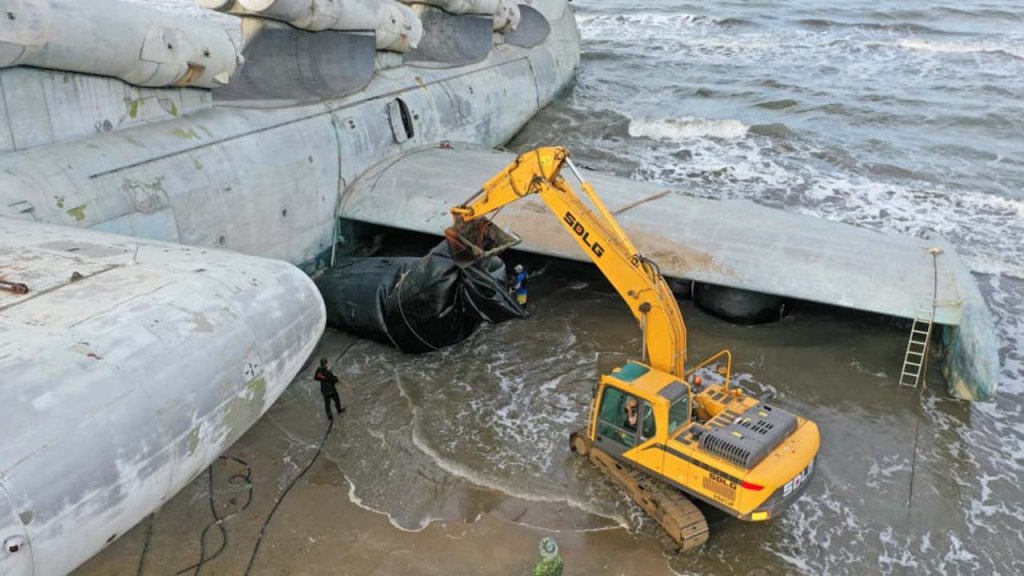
<point>614,420</point>
<point>649,427</point>
<point>679,412</point>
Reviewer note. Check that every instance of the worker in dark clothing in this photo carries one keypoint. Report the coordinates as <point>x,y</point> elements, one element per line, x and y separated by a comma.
<point>328,388</point>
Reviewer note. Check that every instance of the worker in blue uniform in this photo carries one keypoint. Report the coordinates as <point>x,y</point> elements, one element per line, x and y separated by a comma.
<point>519,284</point>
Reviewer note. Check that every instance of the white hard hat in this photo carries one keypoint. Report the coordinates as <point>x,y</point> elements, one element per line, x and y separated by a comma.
<point>518,268</point>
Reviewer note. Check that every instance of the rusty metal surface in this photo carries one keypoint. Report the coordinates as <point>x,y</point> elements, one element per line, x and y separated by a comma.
<point>128,368</point>
<point>19,288</point>
<point>45,270</point>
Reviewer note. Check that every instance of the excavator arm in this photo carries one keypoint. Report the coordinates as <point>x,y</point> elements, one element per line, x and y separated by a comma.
<point>634,277</point>
<point>741,455</point>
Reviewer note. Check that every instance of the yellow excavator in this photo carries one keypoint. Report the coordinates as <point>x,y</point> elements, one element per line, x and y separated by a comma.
<point>655,427</point>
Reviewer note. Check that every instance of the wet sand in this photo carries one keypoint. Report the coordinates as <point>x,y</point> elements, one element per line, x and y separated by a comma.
<point>456,462</point>
<point>319,530</point>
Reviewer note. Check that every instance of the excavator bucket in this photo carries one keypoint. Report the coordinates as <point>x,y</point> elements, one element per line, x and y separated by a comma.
<point>468,242</point>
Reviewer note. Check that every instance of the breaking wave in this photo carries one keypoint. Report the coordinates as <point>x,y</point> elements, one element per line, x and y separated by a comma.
<point>919,45</point>
<point>678,129</point>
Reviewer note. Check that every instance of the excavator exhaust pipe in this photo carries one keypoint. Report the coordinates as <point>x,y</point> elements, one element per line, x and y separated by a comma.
<point>469,242</point>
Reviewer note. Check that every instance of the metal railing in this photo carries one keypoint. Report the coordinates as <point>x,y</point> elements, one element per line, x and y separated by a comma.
<point>728,366</point>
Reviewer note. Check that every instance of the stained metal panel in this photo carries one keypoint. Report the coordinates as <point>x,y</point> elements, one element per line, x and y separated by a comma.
<point>726,242</point>
<point>12,533</point>
<point>452,39</point>
<point>127,368</point>
<point>288,67</point>
<point>532,30</point>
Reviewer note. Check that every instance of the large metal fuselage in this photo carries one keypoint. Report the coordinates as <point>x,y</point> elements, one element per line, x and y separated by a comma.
<point>93,153</point>
<point>125,384</point>
<point>259,177</point>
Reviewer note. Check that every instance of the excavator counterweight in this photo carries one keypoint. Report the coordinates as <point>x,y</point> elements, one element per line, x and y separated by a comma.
<point>655,429</point>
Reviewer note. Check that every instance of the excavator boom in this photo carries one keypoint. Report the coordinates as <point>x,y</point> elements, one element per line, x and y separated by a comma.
<point>633,276</point>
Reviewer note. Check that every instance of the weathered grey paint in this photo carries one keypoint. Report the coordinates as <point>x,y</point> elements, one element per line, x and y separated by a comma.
<point>12,531</point>
<point>730,243</point>
<point>141,46</point>
<point>266,181</point>
<point>289,67</point>
<point>504,14</point>
<point>452,39</point>
<point>971,362</point>
<point>120,387</point>
<point>487,7</point>
<point>533,28</point>
<point>40,107</point>
<point>395,26</point>
<point>257,173</point>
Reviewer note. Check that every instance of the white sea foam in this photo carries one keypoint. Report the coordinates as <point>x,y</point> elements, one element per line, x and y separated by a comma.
<point>826,520</point>
<point>884,471</point>
<point>988,504</point>
<point>916,44</point>
<point>355,499</point>
<point>289,470</point>
<point>190,9</point>
<point>686,128</point>
<point>648,20</point>
<point>981,225</point>
<point>550,530</point>
<point>896,555</point>
<point>990,264</point>
<point>478,479</point>
<point>986,228</point>
<point>670,36</point>
<point>856,365</point>
<point>958,552</point>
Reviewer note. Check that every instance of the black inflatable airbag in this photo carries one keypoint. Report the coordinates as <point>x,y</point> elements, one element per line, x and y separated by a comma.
<point>416,304</point>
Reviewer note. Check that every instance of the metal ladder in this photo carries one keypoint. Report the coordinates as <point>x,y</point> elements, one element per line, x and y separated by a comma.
<point>916,357</point>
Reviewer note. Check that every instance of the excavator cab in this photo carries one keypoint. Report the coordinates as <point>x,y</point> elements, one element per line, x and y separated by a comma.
<point>661,403</point>
<point>717,445</point>
<point>630,401</point>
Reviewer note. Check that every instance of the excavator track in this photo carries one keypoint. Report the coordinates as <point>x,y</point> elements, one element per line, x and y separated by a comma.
<point>681,520</point>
